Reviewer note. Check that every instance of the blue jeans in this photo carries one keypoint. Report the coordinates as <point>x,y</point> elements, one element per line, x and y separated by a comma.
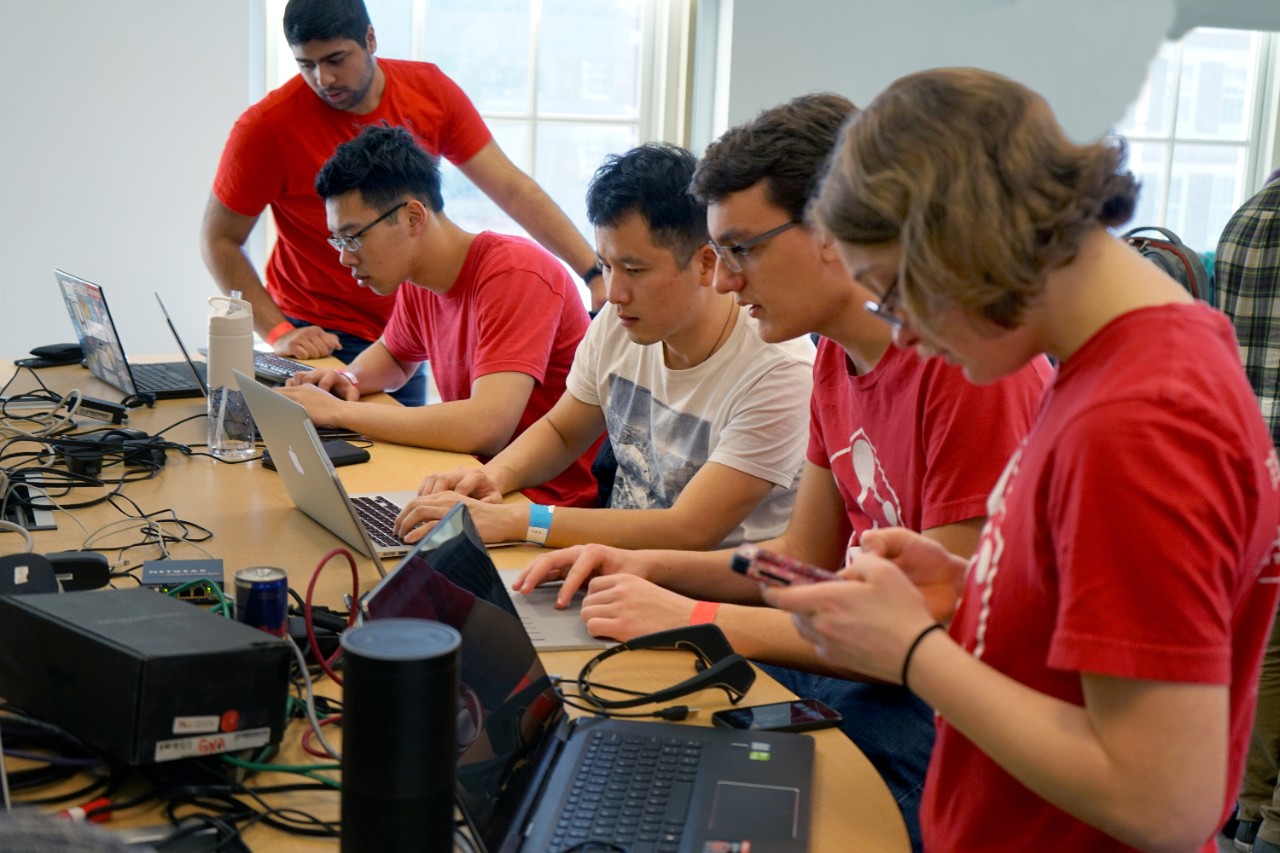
<point>412,393</point>
<point>891,726</point>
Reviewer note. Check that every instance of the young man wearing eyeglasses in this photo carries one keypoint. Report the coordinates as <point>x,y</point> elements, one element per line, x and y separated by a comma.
<point>707,421</point>
<point>308,309</point>
<point>497,316</point>
<point>894,440</point>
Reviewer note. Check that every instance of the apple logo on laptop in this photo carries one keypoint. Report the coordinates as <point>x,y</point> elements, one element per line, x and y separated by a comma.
<point>293,457</point>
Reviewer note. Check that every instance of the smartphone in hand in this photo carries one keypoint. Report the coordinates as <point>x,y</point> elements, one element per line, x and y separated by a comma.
<point>775,569</point>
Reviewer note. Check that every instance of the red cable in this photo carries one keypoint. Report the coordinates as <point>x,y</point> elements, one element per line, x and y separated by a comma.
<point>308,733</point>
<point>326,665</point>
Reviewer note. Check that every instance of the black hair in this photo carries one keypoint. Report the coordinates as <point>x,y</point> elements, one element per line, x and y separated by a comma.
<point>322,20</point>
<point>652,181</point>
<point>384,164</point>
<point>786,146</point>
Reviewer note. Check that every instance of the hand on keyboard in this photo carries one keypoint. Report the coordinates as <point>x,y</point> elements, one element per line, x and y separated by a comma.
<point>326,379</point>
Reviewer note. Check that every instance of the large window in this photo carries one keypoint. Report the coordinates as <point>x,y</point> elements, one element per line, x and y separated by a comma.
<point>1200,132</point>
<point>561,83</point>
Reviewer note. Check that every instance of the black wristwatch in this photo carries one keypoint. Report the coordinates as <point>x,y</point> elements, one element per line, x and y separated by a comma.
<point>590,275</point>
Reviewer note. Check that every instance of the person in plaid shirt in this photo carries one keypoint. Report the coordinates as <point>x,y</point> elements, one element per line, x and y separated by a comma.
<point>1247,289</point>
<point>1246,271</point>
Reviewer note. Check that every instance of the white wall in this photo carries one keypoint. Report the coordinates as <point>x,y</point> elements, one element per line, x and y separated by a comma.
<point>115,114</point>
<point>1088,58</point>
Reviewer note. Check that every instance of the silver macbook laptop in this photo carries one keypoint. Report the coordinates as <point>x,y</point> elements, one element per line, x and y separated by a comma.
<point>530,779</point>
<point>455,549</point>
<point>104,354</point>
<point>550,628</point>
<point>362,521</point>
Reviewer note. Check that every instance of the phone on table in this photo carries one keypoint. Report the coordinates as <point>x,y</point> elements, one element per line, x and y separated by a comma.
<point>339,452</point>
<point>776,569</point>
<point>800,715</point>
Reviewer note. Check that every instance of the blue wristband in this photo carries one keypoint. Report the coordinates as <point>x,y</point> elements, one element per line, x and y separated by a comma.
<point>539,523</point>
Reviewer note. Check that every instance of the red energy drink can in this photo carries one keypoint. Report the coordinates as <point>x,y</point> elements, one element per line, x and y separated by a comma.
<point>262,598</point>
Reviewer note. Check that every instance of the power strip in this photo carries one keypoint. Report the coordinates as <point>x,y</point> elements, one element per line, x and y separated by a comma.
<point>102,410</point>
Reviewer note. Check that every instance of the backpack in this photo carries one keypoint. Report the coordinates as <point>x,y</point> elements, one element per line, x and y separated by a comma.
<point>1174,257</point>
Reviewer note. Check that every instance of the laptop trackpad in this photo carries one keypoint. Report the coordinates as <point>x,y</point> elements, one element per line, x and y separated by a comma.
<point>743,811</point>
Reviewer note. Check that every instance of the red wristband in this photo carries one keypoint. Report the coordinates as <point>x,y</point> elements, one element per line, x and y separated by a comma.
<point>703,612</point>
<point>281,329</point>
<point>351,377</point>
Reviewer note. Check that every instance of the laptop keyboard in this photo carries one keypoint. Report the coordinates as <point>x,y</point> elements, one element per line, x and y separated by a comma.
<point>268,364</point>
<point>162,377</point>
<point>378,516</point>
<point>631,790</point>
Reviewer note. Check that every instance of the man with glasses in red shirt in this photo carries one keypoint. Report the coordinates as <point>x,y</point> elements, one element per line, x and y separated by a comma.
<point>498,317</point>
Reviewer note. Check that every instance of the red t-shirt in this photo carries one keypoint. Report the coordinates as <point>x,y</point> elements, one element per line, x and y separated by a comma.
<point>913,443</point>
<point>279,144</point>
<point>513,307</point>
<point>1128,538</point>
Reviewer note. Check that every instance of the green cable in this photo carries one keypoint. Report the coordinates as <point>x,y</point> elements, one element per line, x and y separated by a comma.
<point>224,605</point>
<point>307,770</point>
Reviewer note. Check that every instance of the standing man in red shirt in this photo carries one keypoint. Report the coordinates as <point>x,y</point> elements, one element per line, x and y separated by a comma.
<point>308,308</point>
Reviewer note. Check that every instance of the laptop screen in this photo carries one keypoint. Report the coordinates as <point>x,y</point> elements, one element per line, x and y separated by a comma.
<point>177,338</point>
<point>507,709</point>
<point>92,321</point>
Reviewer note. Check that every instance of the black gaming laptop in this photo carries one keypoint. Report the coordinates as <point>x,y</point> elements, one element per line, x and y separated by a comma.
<point>532,779</point>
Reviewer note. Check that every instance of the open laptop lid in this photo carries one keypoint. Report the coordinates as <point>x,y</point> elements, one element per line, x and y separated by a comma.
<point>507,709</point>
<point>549,629</point>
<point>454,549</point>
<point>195,369</point>
<point>309,476</point>
<point>103,353</point>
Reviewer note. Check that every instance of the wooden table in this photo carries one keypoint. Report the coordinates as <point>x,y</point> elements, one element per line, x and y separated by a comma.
<point>255,523</point>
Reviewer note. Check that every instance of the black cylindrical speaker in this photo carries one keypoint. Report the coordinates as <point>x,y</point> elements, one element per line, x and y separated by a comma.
<point>399,706</point>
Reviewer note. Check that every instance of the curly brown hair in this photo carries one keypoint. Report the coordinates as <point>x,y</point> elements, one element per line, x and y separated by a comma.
<point>972,174</point>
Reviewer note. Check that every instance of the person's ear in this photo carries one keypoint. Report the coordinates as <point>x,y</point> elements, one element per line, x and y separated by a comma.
<point>418,215</point>
<point>706,261</point>
<point>826,246</point>
<point>370,40</point>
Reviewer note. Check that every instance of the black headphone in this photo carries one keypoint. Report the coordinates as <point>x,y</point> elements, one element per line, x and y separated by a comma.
<point>715,660</point>
<point>84,454</point>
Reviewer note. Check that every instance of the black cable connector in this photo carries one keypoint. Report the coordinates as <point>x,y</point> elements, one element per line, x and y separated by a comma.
<point>675,712</point>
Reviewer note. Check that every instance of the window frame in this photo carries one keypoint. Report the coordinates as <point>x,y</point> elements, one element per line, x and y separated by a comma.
<point>665,99</point>
<point>1260,144</point>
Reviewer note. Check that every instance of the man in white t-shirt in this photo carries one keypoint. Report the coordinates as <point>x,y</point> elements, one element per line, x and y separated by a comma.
<point>707,421</point>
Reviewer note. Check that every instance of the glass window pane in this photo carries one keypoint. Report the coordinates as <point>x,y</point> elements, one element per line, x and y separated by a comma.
<point>465,204</point>
<point>1216,91</point>
<point>568,154</point>
<point>393,25</point>
<point>1205,191</point>
<point>484,46</point>
<point>574,78</point>
<point>1148,162</point>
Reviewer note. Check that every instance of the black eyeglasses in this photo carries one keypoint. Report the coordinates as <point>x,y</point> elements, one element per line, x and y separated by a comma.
<point>351,243</point>
<point>883,309</point>
<point>733,255</point>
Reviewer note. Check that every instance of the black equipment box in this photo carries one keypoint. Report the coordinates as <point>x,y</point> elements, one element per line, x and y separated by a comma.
<point>142,676</point>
